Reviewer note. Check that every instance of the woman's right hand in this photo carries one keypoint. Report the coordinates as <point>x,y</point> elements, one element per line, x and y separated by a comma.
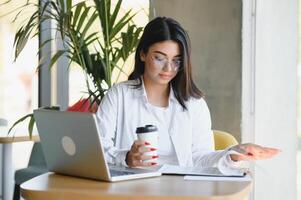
<point>135,157</point>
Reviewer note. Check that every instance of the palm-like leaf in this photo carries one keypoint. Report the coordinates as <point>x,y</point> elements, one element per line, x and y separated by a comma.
<point>116,38</point>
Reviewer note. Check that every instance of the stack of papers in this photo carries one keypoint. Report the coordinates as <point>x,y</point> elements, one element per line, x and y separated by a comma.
<point>214,178</point>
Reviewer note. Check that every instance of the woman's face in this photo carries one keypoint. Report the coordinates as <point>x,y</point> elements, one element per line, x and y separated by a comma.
<point>162,62</point>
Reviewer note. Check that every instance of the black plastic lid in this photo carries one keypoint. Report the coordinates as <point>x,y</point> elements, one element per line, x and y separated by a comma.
<point>146,129</point>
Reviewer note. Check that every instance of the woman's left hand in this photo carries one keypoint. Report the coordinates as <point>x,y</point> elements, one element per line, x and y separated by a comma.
<point>251,151</point>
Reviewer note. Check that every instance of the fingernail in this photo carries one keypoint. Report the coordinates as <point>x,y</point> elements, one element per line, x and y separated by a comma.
<point>153,163</point>
<point>155,156</point>
<point>146,143</point>
<point>153,149</point>
<point>250,154</point>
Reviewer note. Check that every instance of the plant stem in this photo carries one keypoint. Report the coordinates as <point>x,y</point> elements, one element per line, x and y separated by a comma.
<point>120,72</point>
<point>107,59</point>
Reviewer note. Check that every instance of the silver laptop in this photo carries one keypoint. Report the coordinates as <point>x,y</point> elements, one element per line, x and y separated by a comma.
<point>72,146</point>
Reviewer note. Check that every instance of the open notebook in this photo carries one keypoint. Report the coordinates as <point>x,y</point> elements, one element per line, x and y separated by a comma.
<point>196,171</point>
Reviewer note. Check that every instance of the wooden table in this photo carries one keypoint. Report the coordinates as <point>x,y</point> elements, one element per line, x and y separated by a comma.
<point>7,172</point>
<point>51,186</point>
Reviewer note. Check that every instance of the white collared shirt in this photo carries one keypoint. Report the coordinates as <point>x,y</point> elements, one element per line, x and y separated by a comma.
<point>186,140</point>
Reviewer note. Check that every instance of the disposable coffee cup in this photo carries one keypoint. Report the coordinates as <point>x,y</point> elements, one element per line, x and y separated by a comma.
<point>149,133</point>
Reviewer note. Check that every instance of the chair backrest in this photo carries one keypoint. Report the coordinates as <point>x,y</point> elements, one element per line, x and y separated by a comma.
<point>223,140</point>
<point>37,158</point>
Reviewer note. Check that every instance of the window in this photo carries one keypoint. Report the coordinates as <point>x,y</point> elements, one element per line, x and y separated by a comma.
<point>18,80</point>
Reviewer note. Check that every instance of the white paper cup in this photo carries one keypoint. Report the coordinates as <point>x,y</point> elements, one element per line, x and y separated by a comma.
<point>149,133</point>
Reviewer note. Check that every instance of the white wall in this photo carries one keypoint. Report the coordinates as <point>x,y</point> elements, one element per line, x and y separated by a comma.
<point>269,100</point>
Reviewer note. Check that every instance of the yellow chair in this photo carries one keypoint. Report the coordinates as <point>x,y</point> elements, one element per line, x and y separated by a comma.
<point>223,140</point>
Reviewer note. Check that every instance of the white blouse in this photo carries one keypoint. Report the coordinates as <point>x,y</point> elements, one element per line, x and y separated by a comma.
<point>166,150</point>
<point>185,136</point>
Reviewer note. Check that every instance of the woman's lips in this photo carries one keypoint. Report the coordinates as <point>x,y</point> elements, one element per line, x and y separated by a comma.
<point>165,76</point>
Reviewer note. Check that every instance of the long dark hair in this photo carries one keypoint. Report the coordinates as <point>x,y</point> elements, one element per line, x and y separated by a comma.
<point>162,29</point>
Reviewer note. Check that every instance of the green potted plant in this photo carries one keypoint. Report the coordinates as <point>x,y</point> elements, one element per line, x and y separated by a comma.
<point>98,53</point>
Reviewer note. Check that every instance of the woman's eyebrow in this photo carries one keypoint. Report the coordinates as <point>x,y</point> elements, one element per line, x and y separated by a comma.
<point>160,52</point>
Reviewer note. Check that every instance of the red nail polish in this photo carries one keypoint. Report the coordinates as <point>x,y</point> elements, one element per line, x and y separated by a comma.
<point>153,149</point>
<point>250,154</point>
<point>146,143</point>
<point>155,156</point>
<point>153,163</point>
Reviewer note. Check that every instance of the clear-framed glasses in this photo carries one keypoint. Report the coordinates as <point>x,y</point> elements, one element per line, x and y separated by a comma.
<point>161,61</point>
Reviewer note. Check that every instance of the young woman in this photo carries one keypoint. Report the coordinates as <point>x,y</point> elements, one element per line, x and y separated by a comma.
<point>160,91</point>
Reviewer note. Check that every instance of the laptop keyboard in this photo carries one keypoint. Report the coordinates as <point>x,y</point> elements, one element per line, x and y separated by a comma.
<point>120,173</point>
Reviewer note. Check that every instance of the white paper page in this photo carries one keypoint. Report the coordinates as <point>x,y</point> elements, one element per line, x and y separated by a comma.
<point>178,170</point>
<point>214,178</point>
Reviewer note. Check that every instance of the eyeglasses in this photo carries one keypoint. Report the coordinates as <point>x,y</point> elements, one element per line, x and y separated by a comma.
<point>161,62</point>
